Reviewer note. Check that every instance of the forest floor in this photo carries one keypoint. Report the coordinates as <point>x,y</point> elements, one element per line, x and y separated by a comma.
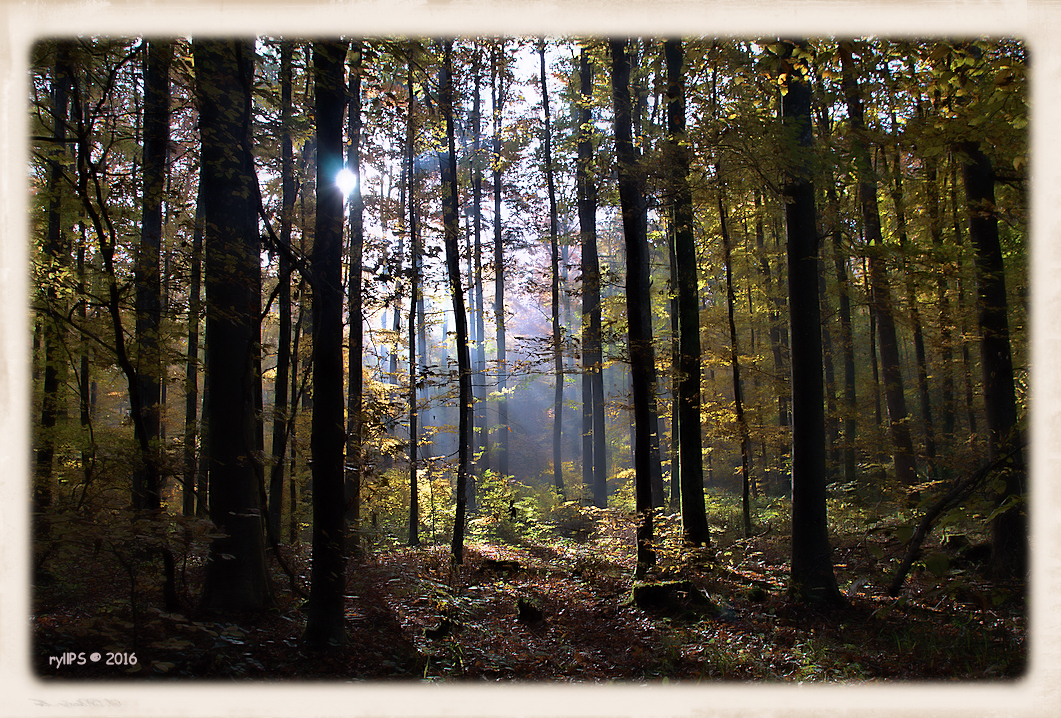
<point>555,608</point>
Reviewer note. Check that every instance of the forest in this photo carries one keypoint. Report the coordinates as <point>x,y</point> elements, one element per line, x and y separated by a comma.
<point>529,358</point>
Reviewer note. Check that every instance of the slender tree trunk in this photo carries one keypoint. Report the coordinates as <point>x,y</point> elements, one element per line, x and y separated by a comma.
<point>55,249</point>
<point>812,574</point>
<point>482,442</point>
<point>920,354</point>
<point>554,253</point>
<point>498,100</point>
<point>325,620</point>
<point>946,337</point>
<point>356,341</point>
<point>283,352</point>
<point>904,458</point>
<point>689,437</point>
<point>594,460</point>
<point>460,318</point>
<point>774,332</point>
<point>734,362</point>
<point>638,302</point>
<point>191,371</point>
<point>414,292</point>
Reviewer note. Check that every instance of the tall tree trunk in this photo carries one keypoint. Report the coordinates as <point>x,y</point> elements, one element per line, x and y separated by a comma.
<point>356,341</point>
<point>776,304</point>
<point>414,295</point>
<point>812,574</point>
<point>946,336</point>
<point>904,458</point>
<point>460,318</point>
<point>594,460</point>
<point>324,620</point>
<point>55,249</point>
<point>191,370</point>
<point>146,478</point>
<point>1009,538</point>
<point>899,200</point>
<point>970,410</point>
<point>734,361</point>
<point>687,396</point>
<point>850,410</point>
<point>554,253</point>
<point>498,92</point>
<point>283,351</point>
<point>638,303</point>
<point>482,441</point>
<point>236,577</point>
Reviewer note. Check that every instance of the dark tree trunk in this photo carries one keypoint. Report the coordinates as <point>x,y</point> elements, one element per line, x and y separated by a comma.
<point>776,346</point>
<point>283,351</point>
<point>638,302</point>
<point>482,442</point>
<point>356,341</point>
<point>734,362</point>
<point>236,577</point>
<point>899,200</point>
<point>191,370</point>
<point>850,409</point>
<point>946,328</point>
<point>554,253</point>
<point>594,460</point>
<point>414,295</point>
<point>687,396</point>
<point>324,620</point>
<point>1009,555</point>
<point>812,567</point>
<point>146,478</point>
<point>55,249</point>
<point>498,100</point>
<point>460,318</point>
<point>904,458</point>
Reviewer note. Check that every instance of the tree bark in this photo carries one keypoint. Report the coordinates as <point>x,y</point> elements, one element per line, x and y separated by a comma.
<point>687,397</point>
<point>283,351</point>
<point>638,302</point>
<point>355,337</point>
<point>236,577</point>
<point>554,253</point>
<point>812,574</point>
<point>460,318</point>
<point>594,459</point>
<point>147,478</point>
<point>903,458</point>
<point>414,295</point>
<point>498,89</point>
<point>1009,538</point>
<point>325,621</point>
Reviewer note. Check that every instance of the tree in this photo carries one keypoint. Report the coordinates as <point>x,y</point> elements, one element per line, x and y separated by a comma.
<point>1009,526</point>
<point>638,302</point>
<point>325,621</point>
<point>812,576</point>
<point>904,459</point>
<point>689,436</point>
<point>283,350</point>
<point>356,341</point>
<point>594,459</point>
<point>498,97</point>
<point>554,253</point>
<point>146,478</point>
<point>452,231</point>
<point>236,578</point>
